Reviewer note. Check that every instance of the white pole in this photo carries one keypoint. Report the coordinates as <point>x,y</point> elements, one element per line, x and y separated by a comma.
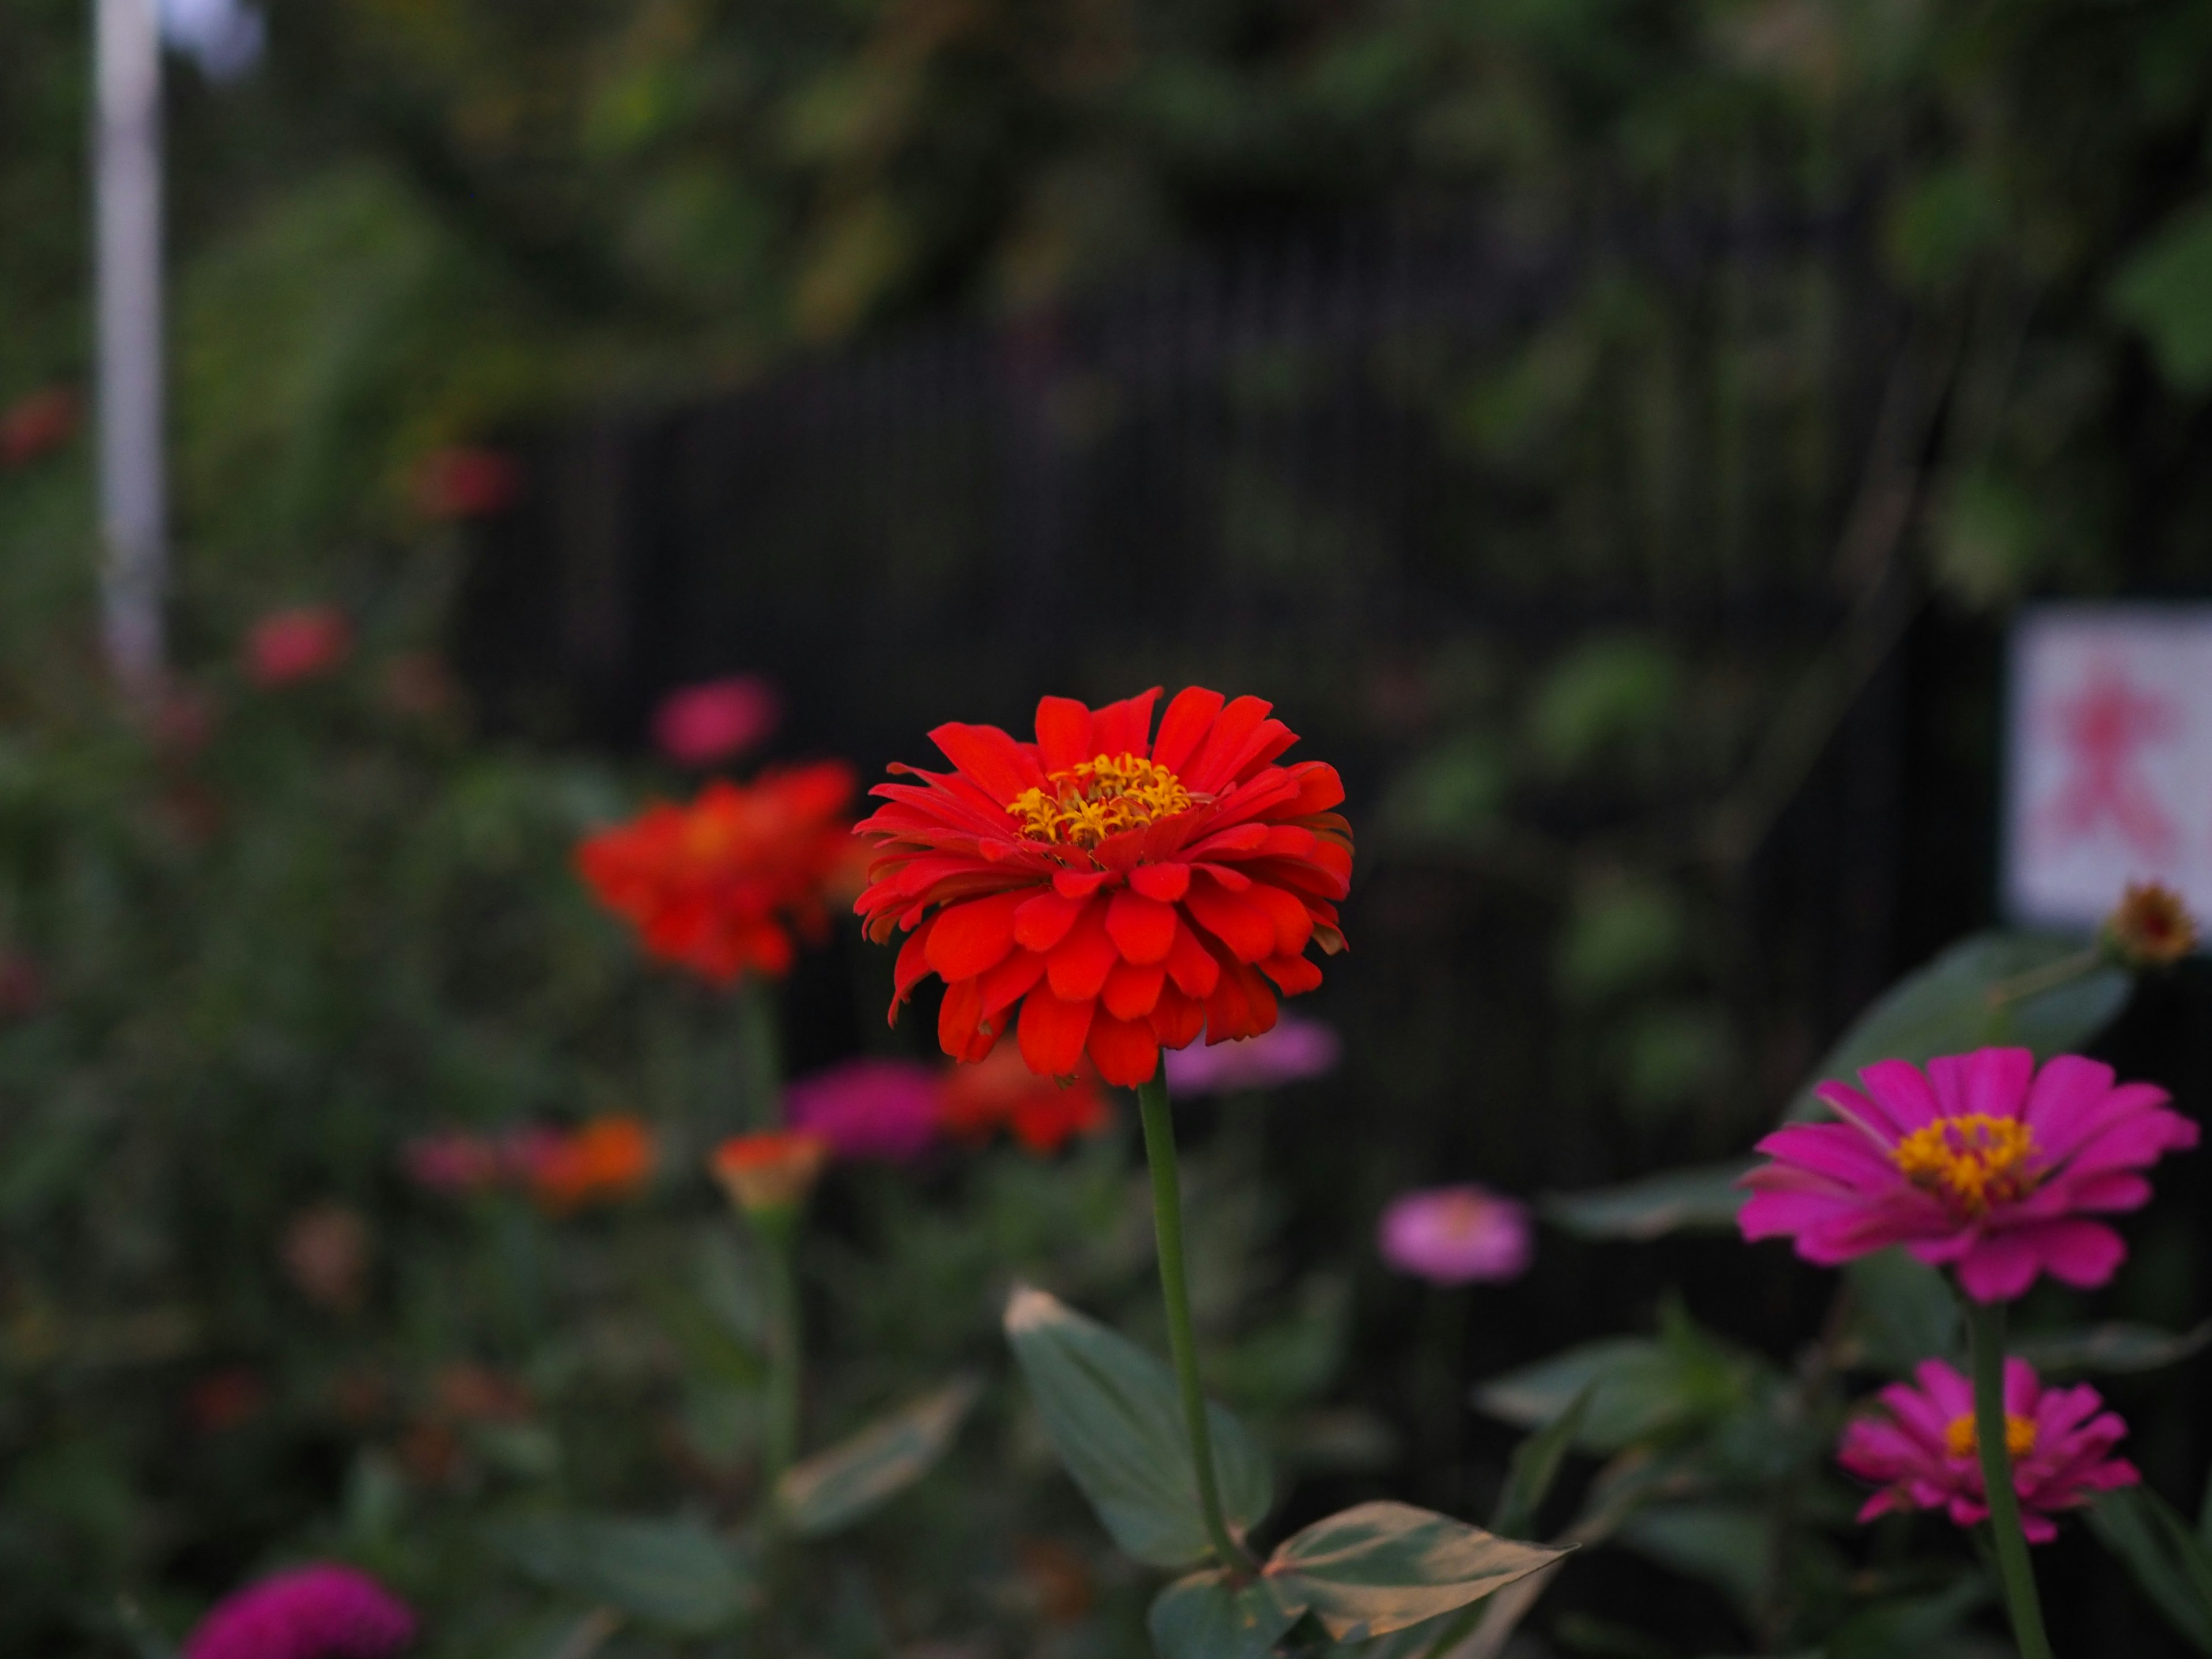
<point>133,489</point>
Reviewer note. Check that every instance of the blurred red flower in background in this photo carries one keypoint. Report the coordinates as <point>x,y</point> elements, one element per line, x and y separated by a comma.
<point>32,428</point>
<point>769,1173</point>
<point>224,1398</point>
<point>701,725</point>
<point>1108,893</point>
<point>302,643</point>
<point>21,990</point>
<point>465,482</point>
<point>1043,1113</point>
<point>717,886</point>
<point>608,1157</point>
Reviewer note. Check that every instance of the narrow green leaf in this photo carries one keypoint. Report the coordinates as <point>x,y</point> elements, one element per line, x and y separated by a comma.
<point>2172,1567</point>
<point>1116,1419</point>
<point>835,1488</point>
<point>677,1575</point>
<point>1946,1008</point>
<point>2112,1347</point>
<point>1378,1568</point>
<point>1204,1617</point>
<point>1640,1389</point>
<point>1536,1463</point>
<point>1703,1199</point>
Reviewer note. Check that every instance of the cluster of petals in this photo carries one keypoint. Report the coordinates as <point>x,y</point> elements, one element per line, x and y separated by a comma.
<point>717,886</point>
<point>1462,1235</point>
<point>1186,908</point>
<point>704,723</point>
<point>607,1157</point>
<point>895,1111</point>
<point>319,1611</point>
<point>1042,1114</point>
<point>1921,1447</point>
<point>1981,1163</point>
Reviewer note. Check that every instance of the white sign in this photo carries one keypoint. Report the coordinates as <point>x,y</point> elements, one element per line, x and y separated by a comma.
<point>2111,766</point>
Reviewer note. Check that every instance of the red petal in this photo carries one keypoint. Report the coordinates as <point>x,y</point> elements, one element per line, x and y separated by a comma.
<point>1123,728</point>
<point>1124,1051</point>
<point>1188,718</point>
<point>1194,969</point>
<point>1293,921</point>
<point>1177,1019</point>
<point>1043,920</point>
<point>1319,788</point>
<point>1079,965</point>
<point>1011,980</point>
<point>958,1017</point>
<point>912,967</point>
<point>1214,767</point>
<point>992,759</point>
<point>1295,974</point>
<point>1077,883</point>
<point>1142,928</point>
<point>1242,926</point>
<point>1164,882</point>
<point>1241,1005</point>
<point>1063,731</point>
<point>1131,992</point>
<point>971,938</point>
<point>1052,1032</point>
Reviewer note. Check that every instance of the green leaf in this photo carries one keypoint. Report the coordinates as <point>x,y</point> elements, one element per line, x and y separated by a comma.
<point>1377,1568</point>
<point>2165,290</point>
<point>678,1574</point>
<point>1536,1463</point>
<point>835,1488</point>
<point>1639,1390</point>
<point>2172,1566</point>
<point>2119,1347</point>
<point>1204,1617</point>
<point>1729,1546</point>
<point>1704,1200</point>
<point>1904,1312</point>
<point>1908,1627</point>
<point>1115,1417</point>
<point>1946,1008</point>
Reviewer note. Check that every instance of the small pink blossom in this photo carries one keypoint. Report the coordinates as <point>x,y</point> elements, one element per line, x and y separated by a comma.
<point>1295,1050</point>
<point>1980,1163</point>
<point>701,725</point>
<point>457,1163</point>
<point>1921,1447</point>
<point>1461,1234</point>
<point>465,482</point>
<point>321,1611</point>
<point>879,1108</point>
<point>298,644</point>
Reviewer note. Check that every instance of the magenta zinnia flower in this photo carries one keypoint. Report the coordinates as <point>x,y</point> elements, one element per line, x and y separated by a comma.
<point>1294,1050</point>
<point>1981,1163</point>
<point>321,1611</point>
<point>884,1109</point>
<point>1461,1234</point>
<point>1923,1448</point>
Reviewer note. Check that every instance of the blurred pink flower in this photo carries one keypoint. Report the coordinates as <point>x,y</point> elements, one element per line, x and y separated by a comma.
<point>883,1108</point>
<point>321,1611</point>
<point>298,644</point>
<point>1462,1235</point>
<point>1923,1450</point>
<point>465,482</point>
<point>699,725</point>
<point>458,1163</point>
<point>1980,1163</point>
<point>1296,1048</point>
<point>21,989</point>
<point>35,427</point>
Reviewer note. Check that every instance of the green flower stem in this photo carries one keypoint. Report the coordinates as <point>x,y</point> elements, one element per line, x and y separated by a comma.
<point>780,1432</point>
<point>2048,977</point>
<point>760,1060</point>
<point>1175,1290</point>
<point>1985,1325</point>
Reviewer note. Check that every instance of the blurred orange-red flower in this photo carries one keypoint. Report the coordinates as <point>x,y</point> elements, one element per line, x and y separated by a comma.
<point>717,886</point>
<point>2151,927</point>
<point>608,1157</point>
<point>298,644</point>
<point>465,482</point>
<point>771,1171</point>
<point>224,1398</point>
<point>35,427</point>
<point>1106,892</point>
<point>1043,1113</point>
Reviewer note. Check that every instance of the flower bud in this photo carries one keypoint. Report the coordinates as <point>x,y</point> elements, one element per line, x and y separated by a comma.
<point>2152,927</point>
<point>770,1175</point>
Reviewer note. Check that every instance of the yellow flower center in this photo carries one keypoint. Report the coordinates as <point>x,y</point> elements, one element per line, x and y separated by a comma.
<point>1960,1440</point>
<point>1974,1161</point>
<point>1083,805</point>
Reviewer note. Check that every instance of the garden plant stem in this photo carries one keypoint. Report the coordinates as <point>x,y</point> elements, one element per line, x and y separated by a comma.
<point>780,1435</point>
<point>1175,1290</point>
<point>1985,1323</point>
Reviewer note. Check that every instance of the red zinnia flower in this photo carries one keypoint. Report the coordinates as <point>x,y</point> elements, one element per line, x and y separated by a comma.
<point>1043,1113</point>
<point>717,885</point>
<point>298,644</point>
<point>1122,892</point>
<point>608,1157</point>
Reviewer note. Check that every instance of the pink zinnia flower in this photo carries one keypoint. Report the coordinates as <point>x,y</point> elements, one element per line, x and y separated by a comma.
<point>1980,1163</point>
<point>1923,1449</point>
<point>289,646</point>
<point>452,1161</point>
<point>321,1611</point>
<point>1456,1235</point>
<point>884,1109</point>
<point>1294,1050</point>
<point>699,725</point>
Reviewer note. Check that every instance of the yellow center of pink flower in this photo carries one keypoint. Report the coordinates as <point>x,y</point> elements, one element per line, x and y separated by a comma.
<point>1974,1161</point>
<point>1960,1440</point>
<point>1083,805</point>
